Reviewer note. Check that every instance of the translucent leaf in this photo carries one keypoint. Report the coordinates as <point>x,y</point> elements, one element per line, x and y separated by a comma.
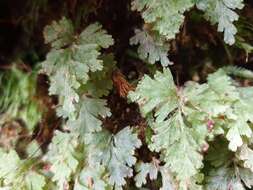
<point>226,90</point>
<point>166,179</point>
<point>9,163</point>
<point>91,178</point>
<point>100,83</point>
<point>236,130</point>
<point>224,178</point>
<point>246,154</point>
<point>61,156</point>
<point>165,94</point>
<point>183,118</point>
<point>222,12</point>
<point>69,65</point>
<point>88,119</point>
<point>94,34</point>
<point>35,181</point>
<point>59,34</point>
<point>151,49</point>
<point>115,152</point>
<point>165,15</point>
<point>172,136</point>
<point>143,170</point>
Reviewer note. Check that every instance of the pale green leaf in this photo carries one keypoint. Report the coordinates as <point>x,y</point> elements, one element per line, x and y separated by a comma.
<point>151,170</point>
<point>34,181</point>
<point>59,34</point>
<point>178,142</point>
<point>246,154</point>
<point>70,63</point>
<point>151,49</point>
<point>224,178</point>
<point>91,178</point>
<point>115,152</point>
<point>236,130</point>
<point>9,163</point>
<point>165,15</point>
<point>61,156</point>
<point>17,174</point>
<point>89,114</point>
<point>222,12</point>
<point>143,170</point>
<point>100,83</point>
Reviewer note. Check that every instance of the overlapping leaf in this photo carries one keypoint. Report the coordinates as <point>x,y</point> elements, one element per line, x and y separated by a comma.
<point>89,114</point>
<point>226,172</point>
<point>151,170</point>
<point>92,178</point>
<point>100,83</point>
<point>114,152</point>
<point>61,156</point>
<point>172,136</point>
<point>246,154</point>
<point>185,117</point>
<point>151,49</point>
<point>71,59</point>
<point>59,34</point>
<point>226,178</point>
<point>165,15</point>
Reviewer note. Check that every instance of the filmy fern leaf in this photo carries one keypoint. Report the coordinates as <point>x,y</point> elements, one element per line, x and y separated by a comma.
<point>69,63</point>
<point>151,170</point>
<point>166,15</point>
<point>184,118</point>
<point>226,171</point>
<point>115,152</point>
<point>151,49</point>
<point>172,135</point>
<point>61,156</point>
<point>222,12</point>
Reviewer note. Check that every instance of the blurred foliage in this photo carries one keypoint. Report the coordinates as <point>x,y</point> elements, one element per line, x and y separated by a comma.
<point>18,97</point>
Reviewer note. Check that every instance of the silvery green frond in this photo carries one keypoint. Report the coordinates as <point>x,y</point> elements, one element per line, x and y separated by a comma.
<point>222,12</point>
<point>114,152</point>
<point>166,15</point>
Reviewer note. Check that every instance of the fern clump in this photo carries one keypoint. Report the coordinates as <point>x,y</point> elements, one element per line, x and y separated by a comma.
<point>185,119</point>
<point>69,65</point>
<point>165,19</point>
<point>128,95</point>
<point>167,16</point>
